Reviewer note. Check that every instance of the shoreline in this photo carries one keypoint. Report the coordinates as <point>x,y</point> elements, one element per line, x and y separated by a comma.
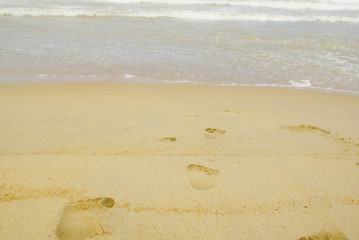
<point>193,84</point>
<point>136,161</point>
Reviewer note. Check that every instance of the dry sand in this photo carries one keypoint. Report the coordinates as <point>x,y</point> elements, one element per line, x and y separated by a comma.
<point>105,161</point>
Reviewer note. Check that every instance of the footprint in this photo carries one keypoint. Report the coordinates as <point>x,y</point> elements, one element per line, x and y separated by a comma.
<point>202,178</point>
<point>305,128</point>
<point>212,133</point>
<point>191,117</point>
<point>326,236</point>
<point>84,218</point>
<point>346,142</point>
<point>167,139</point>
<point>232,112</point>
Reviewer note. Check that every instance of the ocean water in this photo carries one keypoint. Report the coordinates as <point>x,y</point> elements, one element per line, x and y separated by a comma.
<point>310,44</point>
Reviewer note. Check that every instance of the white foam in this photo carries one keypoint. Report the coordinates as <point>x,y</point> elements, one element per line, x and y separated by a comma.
<point>293,84</point>
<point>298,4</point>
<point>27,12</point>
<point>46,75</point>
<point>215,16</point>
<point>326,89</point>
<point>229,84</point>
<point>129,76</point>
<point>185,14</point>
<point>300,83</point>
<point>180,81</point>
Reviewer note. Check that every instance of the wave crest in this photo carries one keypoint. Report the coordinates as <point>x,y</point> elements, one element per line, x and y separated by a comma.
<point>185,14</point>
<point>333,5</point>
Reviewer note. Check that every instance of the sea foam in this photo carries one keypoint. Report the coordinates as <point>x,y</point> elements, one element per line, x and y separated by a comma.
<point>184,14</point>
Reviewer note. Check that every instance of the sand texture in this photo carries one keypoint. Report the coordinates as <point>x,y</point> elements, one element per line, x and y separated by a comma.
<point>133,162</point>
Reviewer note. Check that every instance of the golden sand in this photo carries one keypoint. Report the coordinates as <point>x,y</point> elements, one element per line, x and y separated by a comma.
<point>106,161</point>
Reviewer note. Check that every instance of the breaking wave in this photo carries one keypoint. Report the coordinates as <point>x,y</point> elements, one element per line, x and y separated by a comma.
<point>315,5</point>
<point>180,14</point>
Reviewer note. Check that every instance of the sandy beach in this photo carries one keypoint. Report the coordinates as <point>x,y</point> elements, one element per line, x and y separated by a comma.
<point>117,161</point>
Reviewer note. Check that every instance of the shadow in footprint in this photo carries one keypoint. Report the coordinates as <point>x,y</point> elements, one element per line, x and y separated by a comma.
<point>202,178</point>
<point>212,133</point>
<point>167,139</point>
<point>338,235</point>
<point>232,112</point>
<point>305,128</point>
<point>83,219</point>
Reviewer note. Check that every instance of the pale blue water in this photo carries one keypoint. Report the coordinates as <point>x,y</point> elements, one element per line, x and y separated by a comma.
<point>305,43</point>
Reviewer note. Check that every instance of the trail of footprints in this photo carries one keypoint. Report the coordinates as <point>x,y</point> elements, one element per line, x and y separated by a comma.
<point>86,218</point>
<point>213,133</point>
<point>210,133</point>
<point>204,178</point>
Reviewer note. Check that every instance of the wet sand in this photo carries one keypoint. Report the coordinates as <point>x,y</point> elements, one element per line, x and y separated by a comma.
<point>107,161</point>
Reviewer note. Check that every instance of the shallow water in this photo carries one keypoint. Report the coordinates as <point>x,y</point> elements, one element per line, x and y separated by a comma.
<point>304,43</point>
